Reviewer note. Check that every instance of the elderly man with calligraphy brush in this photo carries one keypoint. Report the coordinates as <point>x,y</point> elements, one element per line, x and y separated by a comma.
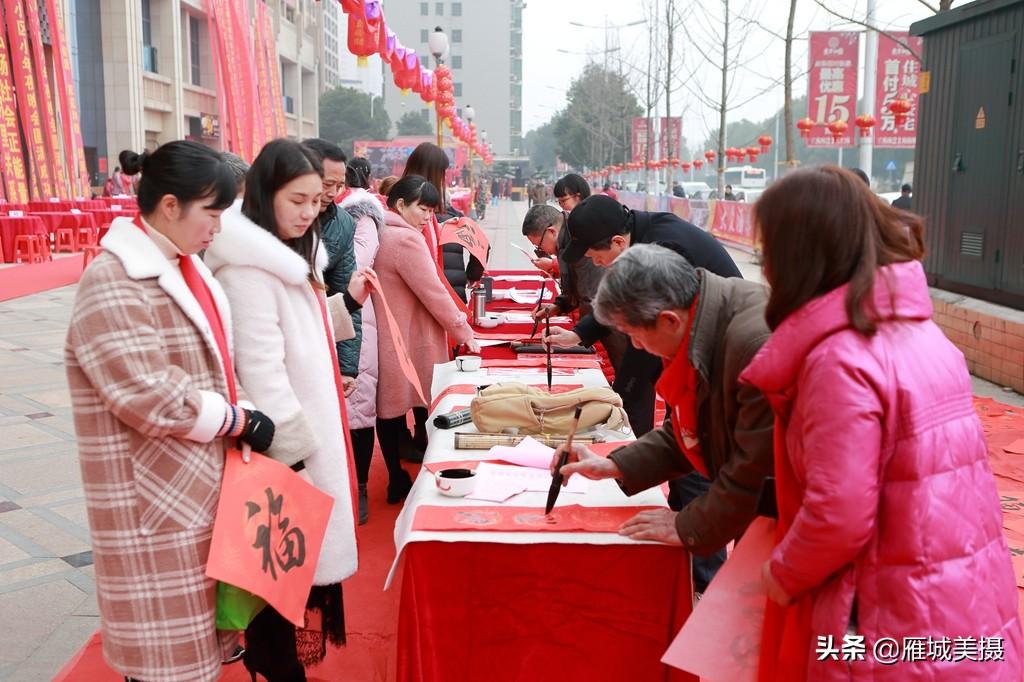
<point>706,329</point>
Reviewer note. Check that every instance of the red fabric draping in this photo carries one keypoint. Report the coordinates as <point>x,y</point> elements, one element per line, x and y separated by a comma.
<point>15,175</point>
<point>40,183</point>
<point>476,611</point>
<point>11,227</point>
<point>58,170</point>
<point>64,78</point>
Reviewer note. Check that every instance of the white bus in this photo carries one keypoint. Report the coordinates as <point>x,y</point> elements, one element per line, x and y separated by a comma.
<point>745,176</point>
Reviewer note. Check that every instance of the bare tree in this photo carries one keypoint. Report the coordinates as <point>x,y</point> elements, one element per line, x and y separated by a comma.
<point>788,86</point>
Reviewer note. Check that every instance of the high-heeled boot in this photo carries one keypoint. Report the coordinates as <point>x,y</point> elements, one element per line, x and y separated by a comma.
<point>364,510</point>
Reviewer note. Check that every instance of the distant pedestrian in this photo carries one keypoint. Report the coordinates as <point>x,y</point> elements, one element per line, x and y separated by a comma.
<point>903,202</point>
<point>729,196</point>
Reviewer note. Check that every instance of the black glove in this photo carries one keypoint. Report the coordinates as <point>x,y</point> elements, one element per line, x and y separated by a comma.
<point>259,430</point>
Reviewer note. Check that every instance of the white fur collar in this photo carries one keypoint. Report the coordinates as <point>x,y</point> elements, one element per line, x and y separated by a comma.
<point>360,202</point>
<point>243,242</point>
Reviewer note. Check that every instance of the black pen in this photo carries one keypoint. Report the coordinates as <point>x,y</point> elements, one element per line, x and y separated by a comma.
<point>556,480</point>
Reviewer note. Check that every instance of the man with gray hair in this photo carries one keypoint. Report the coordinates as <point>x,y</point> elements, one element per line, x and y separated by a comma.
<point>706,329</point>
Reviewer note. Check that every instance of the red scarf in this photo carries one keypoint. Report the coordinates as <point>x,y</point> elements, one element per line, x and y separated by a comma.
<point>786,637</point>
<point>201,291</point>
<point>320,299</point>
<point>678,386</point>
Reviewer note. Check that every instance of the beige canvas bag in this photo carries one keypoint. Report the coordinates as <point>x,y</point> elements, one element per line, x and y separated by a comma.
<point>518,408</point>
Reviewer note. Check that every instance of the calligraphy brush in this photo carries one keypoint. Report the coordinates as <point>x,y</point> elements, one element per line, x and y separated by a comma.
<point>556,480</point>
<point>547,327</point>
<point>536,308</point>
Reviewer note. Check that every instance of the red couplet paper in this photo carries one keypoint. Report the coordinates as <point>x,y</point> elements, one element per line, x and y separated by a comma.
<point>468,235</point>
<point>721,640</point>
<point>269,529</point>
<point>570,518</point>
<point>404,361</point>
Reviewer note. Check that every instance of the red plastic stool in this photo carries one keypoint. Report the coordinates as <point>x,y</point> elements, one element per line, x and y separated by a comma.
<point>26,249</point>
<point>88,253</point>
<point>43,245</point>
<point>88,236</point>
<point>65,240</point>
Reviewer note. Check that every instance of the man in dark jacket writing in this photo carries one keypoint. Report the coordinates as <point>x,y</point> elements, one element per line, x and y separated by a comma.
<point>705,329</point>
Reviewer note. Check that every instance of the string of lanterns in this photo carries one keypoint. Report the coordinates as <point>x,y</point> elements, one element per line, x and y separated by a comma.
<point>899,108</point>
<point>368,34</point>
<point>732,154</point>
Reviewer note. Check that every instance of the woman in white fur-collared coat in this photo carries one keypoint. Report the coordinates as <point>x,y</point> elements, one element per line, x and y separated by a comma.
<point>269,267</point>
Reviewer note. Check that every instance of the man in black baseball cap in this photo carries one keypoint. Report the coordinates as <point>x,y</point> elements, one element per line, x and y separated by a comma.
<point>601,228</point>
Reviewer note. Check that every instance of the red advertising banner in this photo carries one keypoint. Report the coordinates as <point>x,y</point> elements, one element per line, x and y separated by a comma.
<point>40,186</point>
<point>897,74</point>
<point>832,85</point>
<point>275,77</point>
<point>229,78</point>
<point>263,68</point>
<point>71,125</point>
<point>13,170</point>
<point>58,170</point>
<point>676,134</point>
<point>733,221</point>
<point>245,54</point>
<point>641,127</point>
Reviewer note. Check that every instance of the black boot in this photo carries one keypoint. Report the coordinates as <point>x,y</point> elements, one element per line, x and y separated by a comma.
<point>399,487</point>
<point>364,511</point>
<point>270,648</point>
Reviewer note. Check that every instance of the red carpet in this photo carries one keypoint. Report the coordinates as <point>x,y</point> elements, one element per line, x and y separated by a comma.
<point>371,614</point>
<point>22,280</point>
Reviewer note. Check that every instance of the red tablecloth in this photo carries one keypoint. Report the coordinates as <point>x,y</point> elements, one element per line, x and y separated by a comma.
<point>11,227</point>
<point>58,219</point>
<point>59,205</point>
<point>87,204</point>
<point>488,611</point>
<point>106,216</point>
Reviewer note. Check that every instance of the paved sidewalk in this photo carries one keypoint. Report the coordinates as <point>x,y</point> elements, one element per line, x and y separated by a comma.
<point>47,603</point>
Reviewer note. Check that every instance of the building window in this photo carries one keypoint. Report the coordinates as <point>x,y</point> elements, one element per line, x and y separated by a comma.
<point>439,9</point>
<point>458,89</point>
<point>456,9</point>
<point>425,59</point>
<point>149,61</point>
<point>424,9</point>
<point>456,35</point>
<point>423,35</point>
<point>147,29</point>
<point>457,62</point>
<point>193,48</point>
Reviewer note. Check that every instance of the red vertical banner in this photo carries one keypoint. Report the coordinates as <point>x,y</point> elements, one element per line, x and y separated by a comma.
<point>245,54</point>
<point>673,126</point>
<point>897,73</point>
<point>641,126</point>
<point>56,164</point>
<point>40,185</point>
<point>223,100</point>
<point>275,76</point>
<point>71,127</point>
<point>832,85</point>
<point>13,170</point>
<point>264,86</point>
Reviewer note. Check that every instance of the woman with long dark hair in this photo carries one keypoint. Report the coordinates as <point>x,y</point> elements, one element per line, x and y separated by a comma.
<point>154,397</point>
<point>269,259</point>
<point>431,162</point>
<point>425,313</point>
<point>889,521</point>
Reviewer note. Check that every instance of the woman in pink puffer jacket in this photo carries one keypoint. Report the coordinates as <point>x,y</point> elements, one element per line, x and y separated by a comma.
<point>889,520</point>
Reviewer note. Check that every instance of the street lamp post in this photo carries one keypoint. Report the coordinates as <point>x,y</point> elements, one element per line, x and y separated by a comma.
<point>437,43</point>
<point>469,113</point>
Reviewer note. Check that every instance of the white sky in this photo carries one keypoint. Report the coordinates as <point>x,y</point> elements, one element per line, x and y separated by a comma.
<point>547,72</point>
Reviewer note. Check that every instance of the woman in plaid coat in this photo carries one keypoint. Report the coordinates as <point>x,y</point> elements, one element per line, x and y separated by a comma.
<point>146,359</point>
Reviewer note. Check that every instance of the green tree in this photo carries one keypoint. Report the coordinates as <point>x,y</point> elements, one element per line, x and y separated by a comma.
<point>594,129</point>
<point>345,117</point>
<point>540,146</point>
<point>414,123</point>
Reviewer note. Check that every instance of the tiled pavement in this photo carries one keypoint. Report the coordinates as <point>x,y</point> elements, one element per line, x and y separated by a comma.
<point>47,603</point>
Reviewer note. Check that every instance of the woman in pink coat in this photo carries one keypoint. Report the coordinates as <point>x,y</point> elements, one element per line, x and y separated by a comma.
<point>889,520</point>
<point>423,311</point>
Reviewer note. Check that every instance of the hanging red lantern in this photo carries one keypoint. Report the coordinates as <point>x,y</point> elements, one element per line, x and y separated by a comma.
<point>899,108</point>
<point>710,156</point>
<point>350,6</point>
<point>686,166</point>
<point>386,42</point>
<point>675,163</point>
<point>752,152</point>
<point>698,164</point>
<point>363,30</point>
<point>765,141</point>
<point>805,126</point>
<point>428,90</point>
<point>837,128</point>
<point>865,122</point>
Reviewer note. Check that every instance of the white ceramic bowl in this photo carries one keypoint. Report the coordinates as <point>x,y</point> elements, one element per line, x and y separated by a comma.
<point>469,363</point>
<point>490,321</point>
<point>455,482</point>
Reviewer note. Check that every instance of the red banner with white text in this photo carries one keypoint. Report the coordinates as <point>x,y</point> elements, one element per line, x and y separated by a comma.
<point>670,129</point>
<point>641,127</point>
<point>13,170</point>
<point>40,185</point>
<point>832,85</point>
<point>898,71</point>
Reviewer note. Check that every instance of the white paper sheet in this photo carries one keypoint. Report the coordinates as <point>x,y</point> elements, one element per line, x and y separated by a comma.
<point>527,453</point>
<point>530,479</point>
<point>528,295</point>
